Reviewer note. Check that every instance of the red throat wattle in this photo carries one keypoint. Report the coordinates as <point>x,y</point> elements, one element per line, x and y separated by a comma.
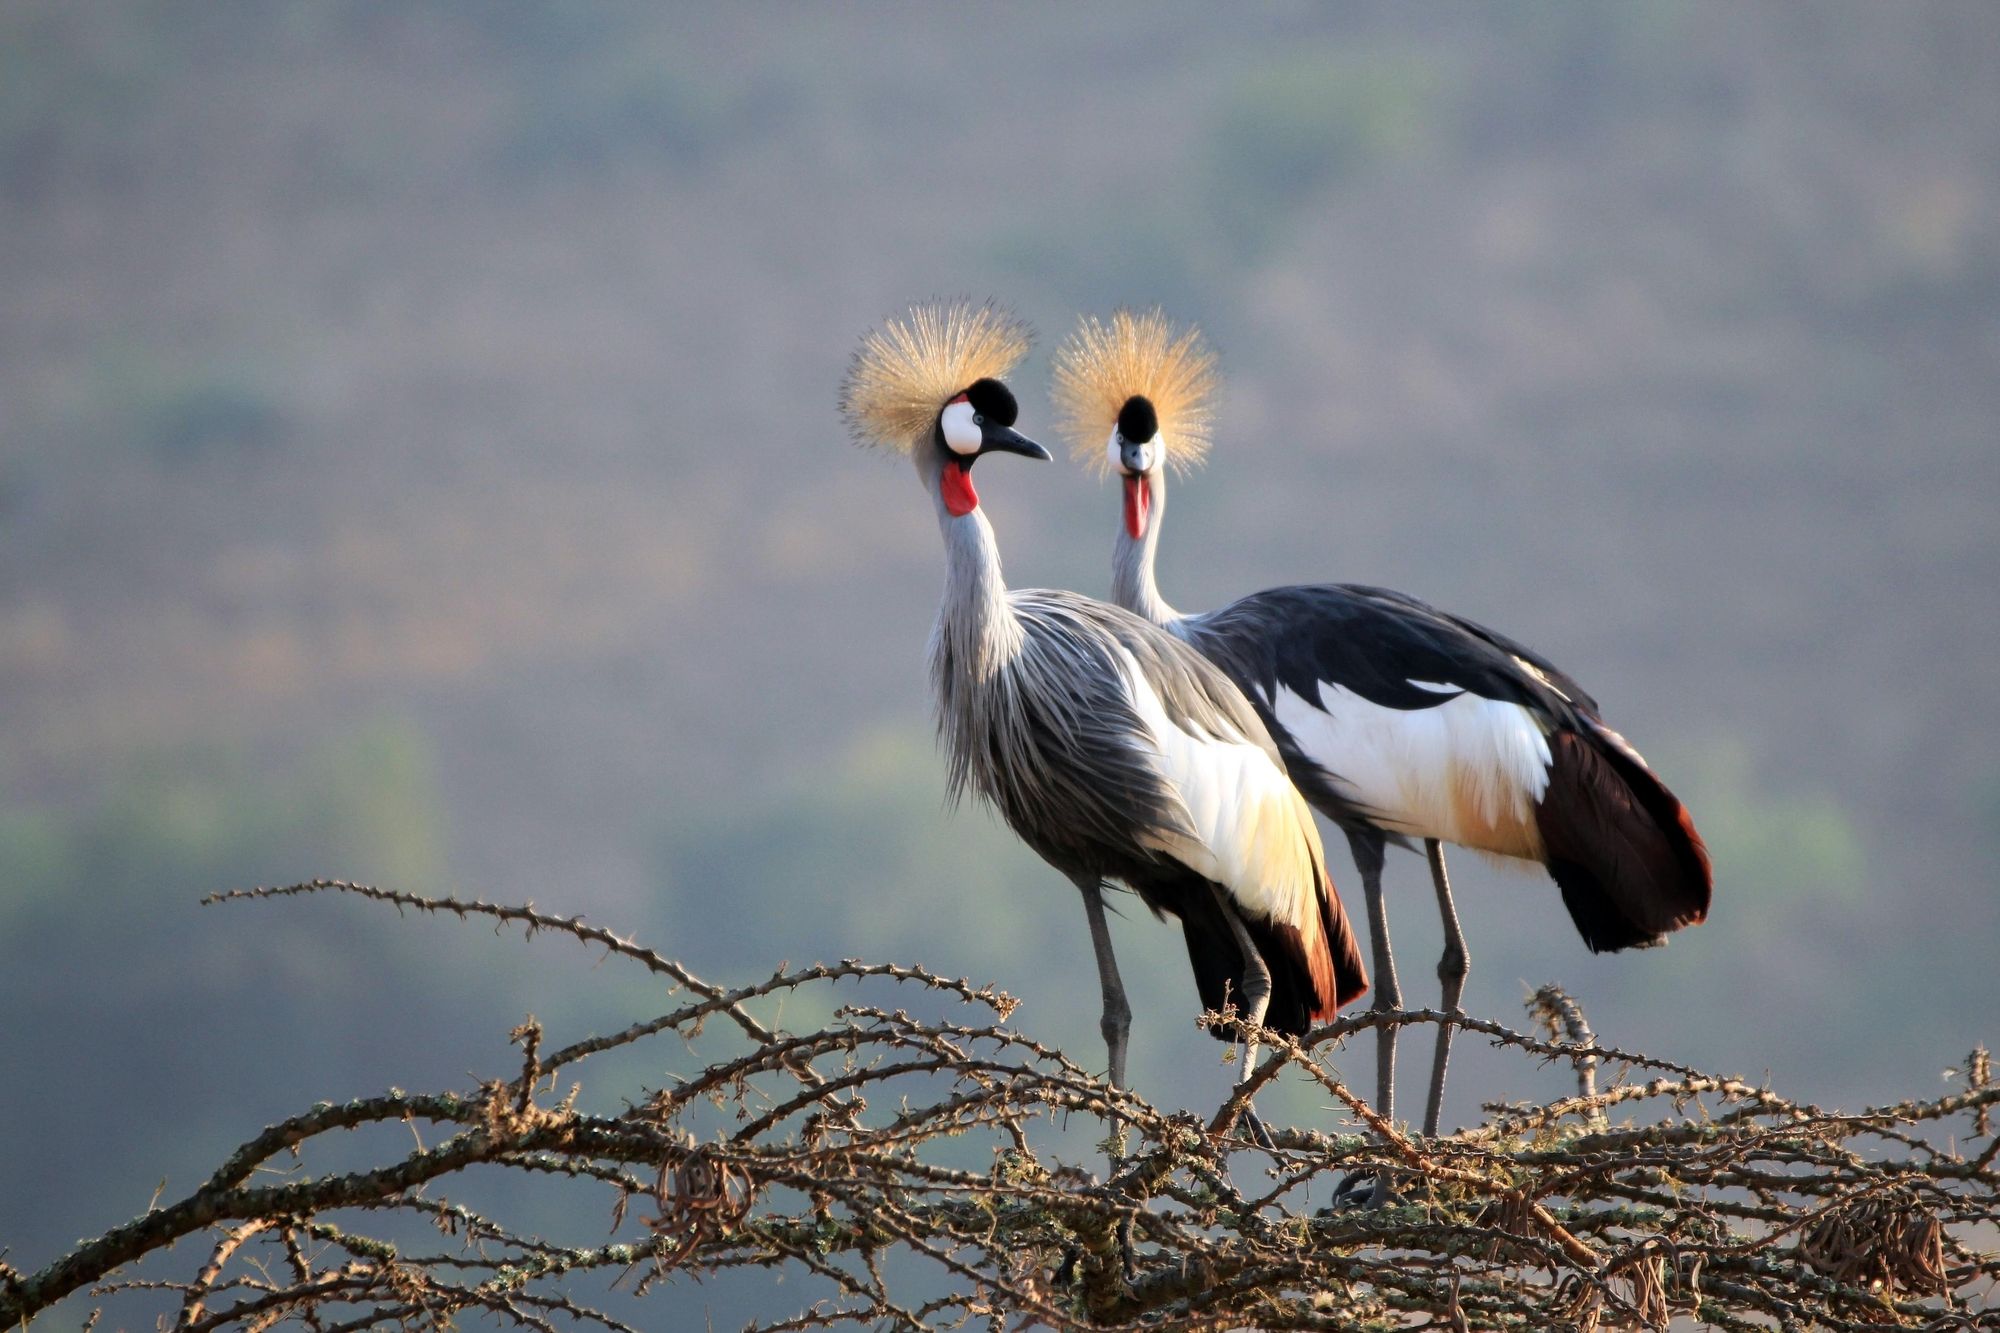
<point>956,487</point>
<point>1138,498</point>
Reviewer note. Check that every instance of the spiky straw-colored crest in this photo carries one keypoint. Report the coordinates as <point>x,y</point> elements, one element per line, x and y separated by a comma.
<point>905,371</point>
<point>1102,364</point>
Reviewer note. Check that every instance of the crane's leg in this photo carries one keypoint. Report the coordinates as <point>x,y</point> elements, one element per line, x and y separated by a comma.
<point>1452,969</point>
<point>1116,1024</point>
<point>1368,848</point>
<point>1256,1001</point>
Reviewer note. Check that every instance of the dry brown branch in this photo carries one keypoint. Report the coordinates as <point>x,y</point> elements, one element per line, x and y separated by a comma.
<point>840,1155</point>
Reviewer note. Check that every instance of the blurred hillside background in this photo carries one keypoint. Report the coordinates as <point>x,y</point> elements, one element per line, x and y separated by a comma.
<point>419,464</point>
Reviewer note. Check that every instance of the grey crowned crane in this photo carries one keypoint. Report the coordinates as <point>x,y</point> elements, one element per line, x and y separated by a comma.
<point>1396,720</point>
<point>1110,747</point>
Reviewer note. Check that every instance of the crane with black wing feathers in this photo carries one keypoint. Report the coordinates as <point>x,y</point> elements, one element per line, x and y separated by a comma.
<point>1397,720</point>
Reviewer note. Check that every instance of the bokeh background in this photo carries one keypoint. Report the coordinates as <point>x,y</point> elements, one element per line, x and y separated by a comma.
<point>419,465</point>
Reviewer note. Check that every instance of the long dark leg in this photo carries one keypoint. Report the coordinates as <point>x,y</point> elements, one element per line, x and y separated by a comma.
<point>1367,846</point>
<point>1116,1023</point>
<point>1452,969</point>
<point>1256,1001</point>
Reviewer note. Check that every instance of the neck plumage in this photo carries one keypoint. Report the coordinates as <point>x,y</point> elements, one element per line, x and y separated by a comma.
<point>1132,585</point>
<point>975,625</point>
<point>976,637</point>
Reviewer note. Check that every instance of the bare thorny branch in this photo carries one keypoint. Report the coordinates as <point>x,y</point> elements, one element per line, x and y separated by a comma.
<point>825,1153</point>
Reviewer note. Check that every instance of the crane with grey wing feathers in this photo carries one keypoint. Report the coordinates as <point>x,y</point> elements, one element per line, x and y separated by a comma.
<point>1396,720</point>
<point>1110,747</point>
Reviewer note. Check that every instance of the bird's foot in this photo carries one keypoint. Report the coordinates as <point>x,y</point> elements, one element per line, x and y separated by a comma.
<point>1128,1263</point>
<point>1253,1129</point>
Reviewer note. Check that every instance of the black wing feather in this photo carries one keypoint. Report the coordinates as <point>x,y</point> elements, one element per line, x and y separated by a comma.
<point>1555,675</point>
<point>1374,643</point>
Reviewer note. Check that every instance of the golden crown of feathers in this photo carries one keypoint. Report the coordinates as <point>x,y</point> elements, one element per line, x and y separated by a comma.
<point>1101,365</point>
<point>909,368</point>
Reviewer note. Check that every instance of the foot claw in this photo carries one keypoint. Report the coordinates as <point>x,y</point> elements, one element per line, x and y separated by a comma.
<point>1253,1129</point>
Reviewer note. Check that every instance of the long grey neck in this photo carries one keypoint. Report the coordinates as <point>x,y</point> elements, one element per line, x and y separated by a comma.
<point>975,613</point>
<point>977,632</point>
<point>976,637</point>
<point>1132,585</point>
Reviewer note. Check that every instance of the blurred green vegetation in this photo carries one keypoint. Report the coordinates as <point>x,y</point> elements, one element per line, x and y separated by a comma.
<point>1985,810</point>
<point>100,933</point>
<point>153,406</point>
<point>68,105</point>
<point>1577,69</point>
<point>1139,258</point>
<point>203,415</point>
<point>615,106</point>
<point>1279,133</point>
<point>856,859</point>
<point>1778,854</point>
<point>122,991</point>
<point>1289,127</point>
<point>170,828</point>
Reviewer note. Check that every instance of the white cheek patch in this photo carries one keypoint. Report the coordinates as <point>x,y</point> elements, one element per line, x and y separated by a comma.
<point>961,432</point>
<point>1114,447</point>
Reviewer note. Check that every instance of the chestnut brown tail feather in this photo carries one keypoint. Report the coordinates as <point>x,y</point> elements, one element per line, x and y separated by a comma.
<point>1350,974</point>
<point>1619,844</point>
<point>1304,989</point>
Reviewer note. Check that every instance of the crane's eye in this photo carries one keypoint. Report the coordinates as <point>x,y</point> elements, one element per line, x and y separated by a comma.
<point>978,420</point>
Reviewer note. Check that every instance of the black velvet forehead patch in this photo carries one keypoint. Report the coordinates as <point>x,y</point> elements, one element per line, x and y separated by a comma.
<point>994,401</point>
<point>1137,421</point>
